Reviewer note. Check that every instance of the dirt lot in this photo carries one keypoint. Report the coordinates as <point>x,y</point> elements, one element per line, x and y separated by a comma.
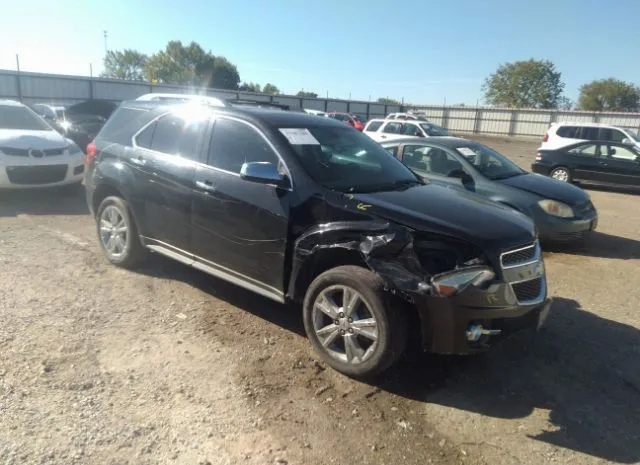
<point>167,365</point>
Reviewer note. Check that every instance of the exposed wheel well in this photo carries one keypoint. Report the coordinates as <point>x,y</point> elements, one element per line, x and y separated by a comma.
<point>102,192</point>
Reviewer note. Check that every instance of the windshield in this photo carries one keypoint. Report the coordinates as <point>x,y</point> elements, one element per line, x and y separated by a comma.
<point>346,160</point>
<point>433,130</point>
<point>21,118</point>
<point>489,162</point>
<point>358,118</point>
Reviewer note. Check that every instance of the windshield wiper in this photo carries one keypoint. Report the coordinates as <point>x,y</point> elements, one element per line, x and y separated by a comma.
<point>387,186</point>
<point>506,176</point>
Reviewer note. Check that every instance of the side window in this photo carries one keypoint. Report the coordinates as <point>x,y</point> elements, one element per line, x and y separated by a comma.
<point>339,117</point>
<point>411,130</point>
<point>393,150</point>
<point>428,159</point>
<point>612,135</point>
<point>234,143</point>
<point>569,132</point>
<point>589,150</point>
<point>373,126</point>
<point>622,153</point>
<point>173,135</point>
<point>588,132</point>
<point>393,128</point>
<point>145,137</point>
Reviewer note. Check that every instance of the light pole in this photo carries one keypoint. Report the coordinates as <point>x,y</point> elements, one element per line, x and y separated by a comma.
<point>106,49</point>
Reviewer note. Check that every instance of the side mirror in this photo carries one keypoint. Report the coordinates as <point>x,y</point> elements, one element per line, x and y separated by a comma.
<point>460,174</point>
<point>263,172</point>
<point>612,152</point>
<point>627,141</point>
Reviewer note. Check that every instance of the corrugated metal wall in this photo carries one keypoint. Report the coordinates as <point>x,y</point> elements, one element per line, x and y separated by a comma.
<point>38,87</point>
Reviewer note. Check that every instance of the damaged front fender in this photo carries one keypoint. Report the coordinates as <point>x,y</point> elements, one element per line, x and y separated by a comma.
<point>385,248</point>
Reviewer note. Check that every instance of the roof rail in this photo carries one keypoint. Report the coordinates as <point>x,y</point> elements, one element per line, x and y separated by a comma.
<point>206,99</point>
<point>256,103</point>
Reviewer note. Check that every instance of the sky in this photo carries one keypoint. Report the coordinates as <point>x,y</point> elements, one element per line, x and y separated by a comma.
<point>419,51</point>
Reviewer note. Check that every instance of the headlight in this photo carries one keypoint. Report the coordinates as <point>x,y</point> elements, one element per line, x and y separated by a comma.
<point>552,207</point>
<point>75,150</point>
<point>452,282</point>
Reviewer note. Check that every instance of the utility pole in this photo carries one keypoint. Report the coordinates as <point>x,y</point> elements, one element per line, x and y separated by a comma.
<point>105,34</point>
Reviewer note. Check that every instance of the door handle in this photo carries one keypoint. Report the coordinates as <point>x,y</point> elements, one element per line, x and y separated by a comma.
<point>383,137</point>
<point>139,160</point>
<point>206,185</point>
<point>604,164</point>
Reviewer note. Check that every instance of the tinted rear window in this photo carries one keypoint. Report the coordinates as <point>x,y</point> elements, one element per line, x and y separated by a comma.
<point>374,125</point>
<point>123,124</point>
<point>567,131</point>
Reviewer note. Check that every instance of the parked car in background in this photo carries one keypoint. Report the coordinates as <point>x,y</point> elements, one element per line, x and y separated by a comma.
<point>560,211</point>
<point>214,101</point>
<point>351,119</point>
<point>304,209</point>
<point>600,162</point>
<point>564,134</point>
<point>387,129</point>
<point>315,112</point>
<point>32,153</point>
<point>50,112</point>
<point>406,116</point>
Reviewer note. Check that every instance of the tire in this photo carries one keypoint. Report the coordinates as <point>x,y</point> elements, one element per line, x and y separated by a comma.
<point>128,251</point>
<point>561,173</point>
<point>369,356</point>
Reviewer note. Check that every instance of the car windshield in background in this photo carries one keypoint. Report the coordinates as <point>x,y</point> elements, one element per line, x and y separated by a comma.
<point>489,162</point>
<point>636,136</point>
<point>21,118</point>
<point>359,118</point>
<point>348,161</point>
<point>433,130</point>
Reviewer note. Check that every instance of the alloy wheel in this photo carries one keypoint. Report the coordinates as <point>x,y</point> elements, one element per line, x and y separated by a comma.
<point>113,231</point>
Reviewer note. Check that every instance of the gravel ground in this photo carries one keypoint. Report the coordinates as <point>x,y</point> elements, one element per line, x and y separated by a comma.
<point>167,365</point>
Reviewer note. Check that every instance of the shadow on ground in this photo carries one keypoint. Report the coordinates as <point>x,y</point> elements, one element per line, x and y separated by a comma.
<point>601,245</point>
<point>606,188</point>
<point>50,201</point>
<point>582,368</point>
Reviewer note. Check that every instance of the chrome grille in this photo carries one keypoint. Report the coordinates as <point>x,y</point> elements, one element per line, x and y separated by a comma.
<point>520,256</point>
<point>14,152</point>
<point>528,291</point>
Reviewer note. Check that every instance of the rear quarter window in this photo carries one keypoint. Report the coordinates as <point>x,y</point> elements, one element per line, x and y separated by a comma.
<point>569,132</point>
<point>123,124</point>
<point>373,126</point>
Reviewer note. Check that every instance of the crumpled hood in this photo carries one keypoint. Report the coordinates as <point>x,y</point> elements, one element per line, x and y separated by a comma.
<point>439,209</point>
<point>547,188</point>
<point>21,139</point>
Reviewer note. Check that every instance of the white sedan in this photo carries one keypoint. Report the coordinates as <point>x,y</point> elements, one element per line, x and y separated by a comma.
<point>32,153</point>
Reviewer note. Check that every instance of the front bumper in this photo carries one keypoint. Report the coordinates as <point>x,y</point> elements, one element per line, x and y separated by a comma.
<point>551,228</point>
<point>25,173</point>
<point>445,321</point>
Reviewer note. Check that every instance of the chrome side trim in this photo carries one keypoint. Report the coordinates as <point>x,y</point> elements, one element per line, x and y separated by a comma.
<point>216,270</point>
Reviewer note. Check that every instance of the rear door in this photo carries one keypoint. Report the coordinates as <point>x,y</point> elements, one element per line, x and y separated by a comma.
<point>167,151</point>
<point>240,227</point>
<point>584,161</point>
<point>620,165</point>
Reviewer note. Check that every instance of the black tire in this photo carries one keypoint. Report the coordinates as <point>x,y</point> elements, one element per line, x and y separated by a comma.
<point>133,252</point>
<point>559,169</point>
<point>390,319</point>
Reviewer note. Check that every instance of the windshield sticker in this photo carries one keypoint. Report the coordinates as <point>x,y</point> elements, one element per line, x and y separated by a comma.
<point>299,136</point>
<point>466,151</point>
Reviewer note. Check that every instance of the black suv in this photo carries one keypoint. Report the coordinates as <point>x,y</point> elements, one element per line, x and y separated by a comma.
<point>305,209</point>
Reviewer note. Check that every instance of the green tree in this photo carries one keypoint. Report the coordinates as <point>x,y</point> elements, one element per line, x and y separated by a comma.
<point>524,84</point>
<point>126,64</point>
<point>608,95</point>
<point>271,89</point>
<point>303,93</point>
<point>250,87</point>
<point>191,65</point>
<point>388,101</point>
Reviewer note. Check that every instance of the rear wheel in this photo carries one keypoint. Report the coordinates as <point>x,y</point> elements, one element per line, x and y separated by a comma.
<point>118,233</point>
<point>348,319</point>
<point>561,173</point>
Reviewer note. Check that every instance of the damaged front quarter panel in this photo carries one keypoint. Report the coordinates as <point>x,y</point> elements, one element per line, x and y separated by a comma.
<point>387,249</point>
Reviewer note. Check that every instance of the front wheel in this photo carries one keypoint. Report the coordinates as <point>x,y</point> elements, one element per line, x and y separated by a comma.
<point>561,173</point>
<point>118,234</point>
<point>350,324</point>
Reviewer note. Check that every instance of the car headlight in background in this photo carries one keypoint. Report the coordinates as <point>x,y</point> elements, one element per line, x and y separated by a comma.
<point>75,150</point>
<point>555,208</point>
<point>452,282</point>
